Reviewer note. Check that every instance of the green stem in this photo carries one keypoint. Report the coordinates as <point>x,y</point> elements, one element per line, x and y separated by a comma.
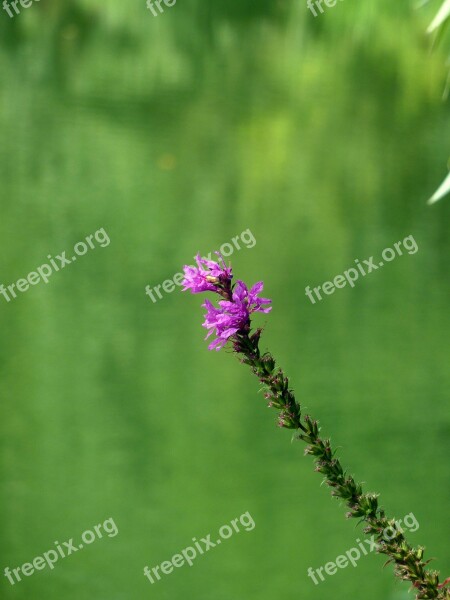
<point>408,561</point>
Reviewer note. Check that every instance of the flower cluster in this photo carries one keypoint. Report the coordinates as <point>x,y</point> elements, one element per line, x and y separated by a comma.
<point>233,313</point>
<point>198,279</point>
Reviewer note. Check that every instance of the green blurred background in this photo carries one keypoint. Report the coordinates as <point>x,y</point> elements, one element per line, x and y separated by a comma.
<point>323,136</point>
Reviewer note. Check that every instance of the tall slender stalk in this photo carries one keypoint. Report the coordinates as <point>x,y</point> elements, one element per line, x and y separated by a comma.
<point>231,322</point>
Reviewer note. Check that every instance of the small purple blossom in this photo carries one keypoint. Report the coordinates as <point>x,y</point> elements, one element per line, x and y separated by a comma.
<point>233,315</point>
<point>198,279</point>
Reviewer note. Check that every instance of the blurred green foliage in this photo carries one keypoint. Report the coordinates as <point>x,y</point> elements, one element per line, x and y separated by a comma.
<point>324,137</point>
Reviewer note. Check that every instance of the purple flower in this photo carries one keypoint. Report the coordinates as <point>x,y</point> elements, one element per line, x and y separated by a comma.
<point>233,315</point>
<point>233,312</point>
<point>198,279</point>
